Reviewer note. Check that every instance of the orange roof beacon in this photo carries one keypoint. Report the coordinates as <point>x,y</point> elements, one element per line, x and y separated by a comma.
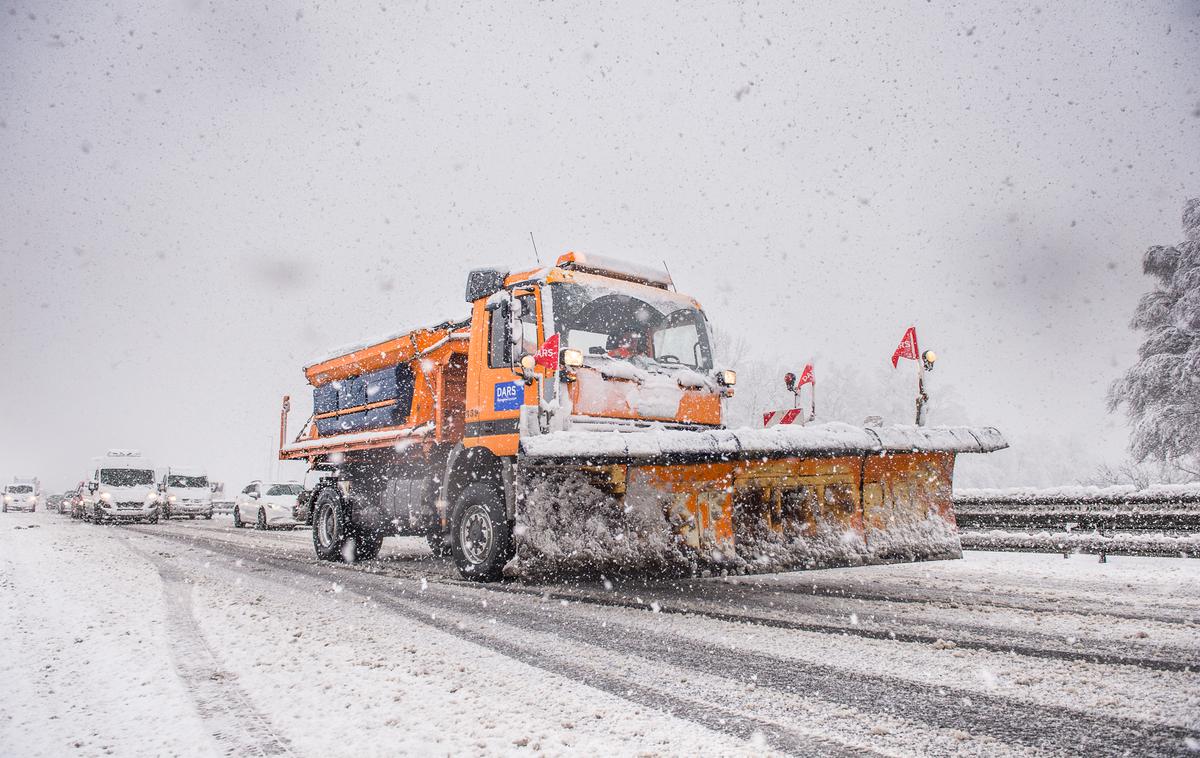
<point>573,423</point>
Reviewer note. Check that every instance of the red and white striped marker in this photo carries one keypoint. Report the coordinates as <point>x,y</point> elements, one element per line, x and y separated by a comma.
<point>790,416</point>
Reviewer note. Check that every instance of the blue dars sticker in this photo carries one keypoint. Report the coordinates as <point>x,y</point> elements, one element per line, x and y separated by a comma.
<point>509,396</point>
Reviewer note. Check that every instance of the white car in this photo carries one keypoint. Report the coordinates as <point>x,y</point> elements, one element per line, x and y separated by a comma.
<point>266,504</point>
<point>20,497</point>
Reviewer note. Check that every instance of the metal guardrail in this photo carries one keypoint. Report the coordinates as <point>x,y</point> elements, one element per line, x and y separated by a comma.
<point>1128,523</point>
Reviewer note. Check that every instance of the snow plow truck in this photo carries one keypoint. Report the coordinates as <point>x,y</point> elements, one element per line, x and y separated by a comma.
<point>572,425</point>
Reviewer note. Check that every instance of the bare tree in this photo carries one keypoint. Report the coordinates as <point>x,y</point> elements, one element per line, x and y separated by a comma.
<point>1161,392</point>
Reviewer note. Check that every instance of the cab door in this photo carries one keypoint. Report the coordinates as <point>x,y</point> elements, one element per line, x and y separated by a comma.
<point>502,329</point>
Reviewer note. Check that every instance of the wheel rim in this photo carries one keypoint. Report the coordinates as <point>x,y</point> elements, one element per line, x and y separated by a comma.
<point>326,527</point>
<point>475,534</point>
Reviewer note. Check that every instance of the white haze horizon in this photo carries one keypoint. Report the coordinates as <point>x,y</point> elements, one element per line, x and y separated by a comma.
<point>200,198</point>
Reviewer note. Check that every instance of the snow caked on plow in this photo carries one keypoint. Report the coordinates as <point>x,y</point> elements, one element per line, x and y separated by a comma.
<point>744,501</point>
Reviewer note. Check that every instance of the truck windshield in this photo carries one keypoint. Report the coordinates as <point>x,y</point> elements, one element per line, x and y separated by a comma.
<point>626,323</point>
<point>187,482</point>
<point>20,489</point>
<point>126,477</point>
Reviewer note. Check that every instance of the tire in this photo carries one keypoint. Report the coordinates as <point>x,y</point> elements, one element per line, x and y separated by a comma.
<point>153,519</point>
<point>335,538</point>
<point>237,518</point>
<point>208,516</point>
<point>260,520</point>
<point>480,533</point>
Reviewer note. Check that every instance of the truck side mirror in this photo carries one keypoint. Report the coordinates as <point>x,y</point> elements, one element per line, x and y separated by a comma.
<point>92,486</point>
<point>484,282</point>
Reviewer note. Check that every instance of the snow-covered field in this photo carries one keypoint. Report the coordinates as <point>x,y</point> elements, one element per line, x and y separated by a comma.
<point>191,638</point>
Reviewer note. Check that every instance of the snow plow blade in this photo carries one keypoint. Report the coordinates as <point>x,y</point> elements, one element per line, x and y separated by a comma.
<point>737,501</point>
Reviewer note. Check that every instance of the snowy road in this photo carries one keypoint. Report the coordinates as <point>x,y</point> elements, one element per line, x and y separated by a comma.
<point>192,638</point>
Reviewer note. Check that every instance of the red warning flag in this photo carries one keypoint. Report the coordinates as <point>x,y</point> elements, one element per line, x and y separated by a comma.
<point>806,377</point>
<point>908,347</point>
<point>547,354</point>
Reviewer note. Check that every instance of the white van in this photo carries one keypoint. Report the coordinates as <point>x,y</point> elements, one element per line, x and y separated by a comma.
<point>185,492</point>
<point>24,494</point>
<point>121,488</point>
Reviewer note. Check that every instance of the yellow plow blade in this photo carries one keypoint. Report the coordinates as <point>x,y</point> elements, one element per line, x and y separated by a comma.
<point>780,500</point>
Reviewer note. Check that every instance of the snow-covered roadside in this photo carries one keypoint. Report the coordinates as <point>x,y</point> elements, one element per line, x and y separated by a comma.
<point>340,676</point>
<point>84,658</point>
<point>90,668</point>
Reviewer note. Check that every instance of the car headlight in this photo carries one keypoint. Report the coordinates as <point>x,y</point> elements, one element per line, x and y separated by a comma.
<point>106,496</point>
<point>170,498</point>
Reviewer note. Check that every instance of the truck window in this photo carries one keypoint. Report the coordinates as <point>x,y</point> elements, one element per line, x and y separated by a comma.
<point>498,347</point>
<point>187,482</point>
<point>126,477</point>
<point>500,353</point>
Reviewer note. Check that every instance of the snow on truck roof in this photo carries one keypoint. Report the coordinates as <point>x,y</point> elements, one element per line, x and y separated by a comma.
<point>595,265</point>
<point>381,340</point>
<point>123,461</point>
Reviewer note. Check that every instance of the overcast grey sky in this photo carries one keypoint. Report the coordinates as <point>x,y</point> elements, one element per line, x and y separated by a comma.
<point>197,197</point>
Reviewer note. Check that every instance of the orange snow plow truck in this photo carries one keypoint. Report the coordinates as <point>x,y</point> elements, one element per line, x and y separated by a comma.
<point>572,425</point>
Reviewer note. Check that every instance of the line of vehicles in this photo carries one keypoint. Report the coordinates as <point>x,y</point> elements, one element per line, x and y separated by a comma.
<point>124,486</point>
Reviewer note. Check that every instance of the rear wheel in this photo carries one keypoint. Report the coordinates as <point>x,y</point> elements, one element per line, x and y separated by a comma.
<point>237,518</point>
<point>335,537</point>
<point>480,533</point>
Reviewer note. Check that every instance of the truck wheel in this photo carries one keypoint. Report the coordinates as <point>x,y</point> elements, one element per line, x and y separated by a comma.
<point>335,537</point>
<point>237,518</point>
<point>480,534</point>
<point>208,516</point>
<point>260,521</point>
<point>331,526</point>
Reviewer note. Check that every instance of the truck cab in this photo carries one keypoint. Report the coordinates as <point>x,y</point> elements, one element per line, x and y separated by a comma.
<point>184,491</point>
<point>121,488</point>
<point>589,344</point>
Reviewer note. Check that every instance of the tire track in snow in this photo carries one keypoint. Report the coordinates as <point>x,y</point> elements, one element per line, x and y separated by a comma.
<point>966,636</point>
<point>234,722</point>
<point>703,713</point>
<point>954,632</point>
<point>1006,719</point>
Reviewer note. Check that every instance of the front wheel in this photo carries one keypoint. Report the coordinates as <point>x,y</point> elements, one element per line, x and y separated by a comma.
<point>260,521</point>
<point>480,533</point>
<point>237,518</point>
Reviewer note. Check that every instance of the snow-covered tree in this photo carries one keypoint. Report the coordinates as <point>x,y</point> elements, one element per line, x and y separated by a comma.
<point>1161,392</point>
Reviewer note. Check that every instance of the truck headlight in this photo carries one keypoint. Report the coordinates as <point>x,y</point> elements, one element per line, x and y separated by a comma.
<point>572,357</point>
<point>726,378</point>
<point>32,499</point>
<point>8,498</point>
<point>106,496</point>
<point>170,498</point>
